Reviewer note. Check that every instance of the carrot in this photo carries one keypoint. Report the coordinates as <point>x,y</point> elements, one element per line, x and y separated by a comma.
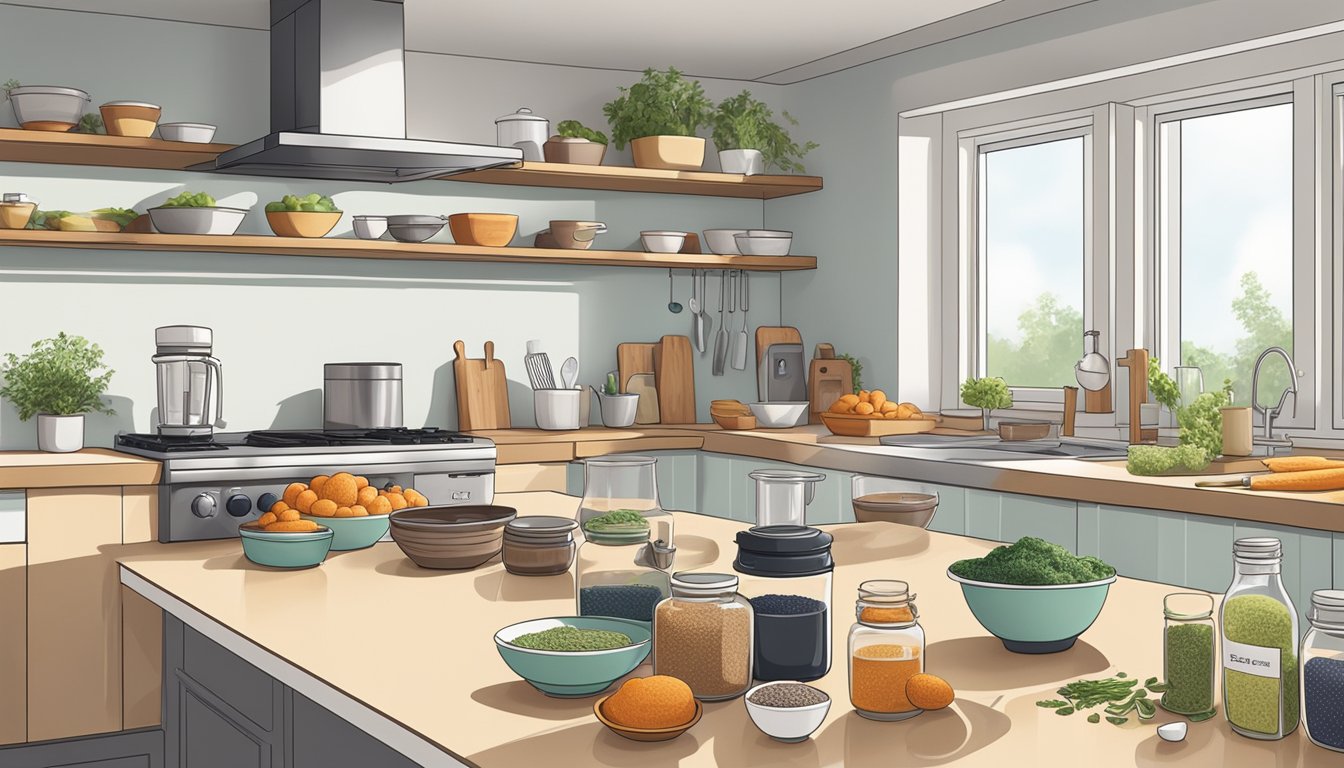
<point>1301,463</point>
<point>1309,480</point>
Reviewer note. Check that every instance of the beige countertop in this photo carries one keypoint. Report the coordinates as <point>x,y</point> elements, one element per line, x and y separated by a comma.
<point>409,653</point>
<point>89,467</point>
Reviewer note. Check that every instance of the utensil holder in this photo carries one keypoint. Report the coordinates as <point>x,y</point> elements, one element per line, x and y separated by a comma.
<point>557,409</point>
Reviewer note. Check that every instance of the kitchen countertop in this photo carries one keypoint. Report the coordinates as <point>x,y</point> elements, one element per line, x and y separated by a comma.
<point>89,467</point>
<point>333,632</point>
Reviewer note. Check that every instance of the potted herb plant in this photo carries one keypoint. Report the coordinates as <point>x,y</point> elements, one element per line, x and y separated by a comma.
<point>986,394</point>
<point>749,139</point>
<point>575,143</point>
<point>617,410</point>
<point>58,381</point>
<point>658,117</point>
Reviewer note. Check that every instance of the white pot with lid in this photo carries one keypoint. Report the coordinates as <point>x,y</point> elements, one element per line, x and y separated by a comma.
<point>523,130</point>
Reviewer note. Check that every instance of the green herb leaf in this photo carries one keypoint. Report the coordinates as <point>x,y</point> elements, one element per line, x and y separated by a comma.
<point>1117,720</point>
<point>57,377</point>
<point>1094,718</point>
<point>1146,709</point>
<point>1052,704</point>
<point>989,393</point>
<point>660,104</point>
<point>1064,711</point>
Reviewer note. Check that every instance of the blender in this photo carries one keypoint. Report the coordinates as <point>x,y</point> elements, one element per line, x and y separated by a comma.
<point>187,376</point>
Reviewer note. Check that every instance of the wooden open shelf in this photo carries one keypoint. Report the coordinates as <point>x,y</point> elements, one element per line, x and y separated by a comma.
<point>348,248</point>
<point>20,146</point>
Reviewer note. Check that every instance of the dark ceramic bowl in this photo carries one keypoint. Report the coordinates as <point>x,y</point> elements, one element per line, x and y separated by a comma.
<point>451,537</point>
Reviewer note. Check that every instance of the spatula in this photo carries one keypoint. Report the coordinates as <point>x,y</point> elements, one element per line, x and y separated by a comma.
<point>741,343</point>
<point>538,366</point>
<point>721,340</point>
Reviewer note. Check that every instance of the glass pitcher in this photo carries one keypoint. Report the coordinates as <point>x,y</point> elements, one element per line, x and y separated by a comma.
<point>620,496</point>
<point>188,378</point>
<point>782,495</point>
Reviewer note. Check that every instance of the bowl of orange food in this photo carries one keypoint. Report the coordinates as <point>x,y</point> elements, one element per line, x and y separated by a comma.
<point>287,544</point>
<point>870,414</point>
<point>356,512</point>
<point>654,708</point>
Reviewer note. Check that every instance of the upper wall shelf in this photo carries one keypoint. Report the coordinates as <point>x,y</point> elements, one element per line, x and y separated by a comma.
<point>17,145</point>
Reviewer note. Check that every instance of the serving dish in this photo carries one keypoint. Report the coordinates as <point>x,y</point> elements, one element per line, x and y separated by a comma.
<point>786,724</point>
<point>764,243</point>
<point>723,241</point>
<point>662,241</point>
<point>302,223</point>
<point>192,133</point>
<point>353,532</point>
<point>48,107</point>
<point>570,674</point>
<point>130,118</point>
<point>780,415</point>
<point>1035,619</point>
<point>451,537</point>
<point>215,220</point>
<point>853,425</point>
<point>285,549</point>
<point>415,228</point>
<point>646,734</point>
<point>370,227</point>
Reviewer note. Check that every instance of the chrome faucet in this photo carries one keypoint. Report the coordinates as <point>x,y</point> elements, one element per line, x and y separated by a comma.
<point>1270,414</point>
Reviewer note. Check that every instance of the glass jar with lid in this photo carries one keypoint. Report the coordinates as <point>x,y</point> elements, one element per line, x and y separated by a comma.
<point>886,649</point>
<point>702,635</point>
<point>786,575</point>
<point>1259,637</point>
<point>622,574</point>
<point>1189,661</point>
<point>1323,670</point>
<point>539,545</point>
<point>620,494</point>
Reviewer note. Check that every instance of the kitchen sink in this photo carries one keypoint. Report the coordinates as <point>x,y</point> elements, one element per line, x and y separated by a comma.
<point>991,448</point>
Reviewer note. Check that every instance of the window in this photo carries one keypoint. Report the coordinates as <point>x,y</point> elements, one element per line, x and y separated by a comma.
<point>1032,247</point>
<point>1225,218</point>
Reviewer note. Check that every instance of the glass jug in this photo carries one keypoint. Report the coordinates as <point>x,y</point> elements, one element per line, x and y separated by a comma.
<point>782,495</point>
<point>623,484</point>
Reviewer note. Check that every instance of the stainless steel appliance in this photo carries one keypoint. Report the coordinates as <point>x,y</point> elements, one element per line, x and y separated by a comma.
<point>782,376</point>
<point>361,395</point>
<point>189,377</point>
<point>209,486</point>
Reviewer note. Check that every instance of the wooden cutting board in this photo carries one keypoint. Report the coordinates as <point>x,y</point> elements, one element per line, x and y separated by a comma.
<point>827,380</point>
<point>642,384</point>
<point>774,334</point>
<point>482,390</point>
<point>674,375</point>
<point>632,359</point>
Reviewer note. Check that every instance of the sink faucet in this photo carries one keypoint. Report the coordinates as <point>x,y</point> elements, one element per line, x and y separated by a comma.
<point>1271,414</point>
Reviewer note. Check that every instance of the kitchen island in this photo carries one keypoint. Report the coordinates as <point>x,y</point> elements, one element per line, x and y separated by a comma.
<point>405,655</point>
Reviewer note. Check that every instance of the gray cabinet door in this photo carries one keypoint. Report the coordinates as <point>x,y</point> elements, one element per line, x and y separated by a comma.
<point>322,740</point>
<point>212,739</point>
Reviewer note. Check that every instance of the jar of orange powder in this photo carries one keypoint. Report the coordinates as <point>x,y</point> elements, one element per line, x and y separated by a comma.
<point>886,649</point>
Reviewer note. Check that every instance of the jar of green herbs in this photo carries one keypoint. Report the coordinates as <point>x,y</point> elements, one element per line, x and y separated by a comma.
<point>1187,653</point>
<point>1259,644</point>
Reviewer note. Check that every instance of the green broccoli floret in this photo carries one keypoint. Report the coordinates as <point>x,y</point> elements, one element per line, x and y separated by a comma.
<point>311,202</point>
<point>620,519</point>
<point>1032,562</point>
<point>1156,459</point>
<point>190,200</point>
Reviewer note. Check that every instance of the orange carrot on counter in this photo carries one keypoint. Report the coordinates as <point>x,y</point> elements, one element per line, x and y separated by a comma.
<point>1309,480</point>
<point>1301,463</point>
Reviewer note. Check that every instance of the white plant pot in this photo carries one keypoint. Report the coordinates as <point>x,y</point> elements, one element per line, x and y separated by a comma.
<point>618,410</point>
<point>748,162</point>
<point>60,434</point>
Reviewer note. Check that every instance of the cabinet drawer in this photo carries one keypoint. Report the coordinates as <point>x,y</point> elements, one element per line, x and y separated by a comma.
<point>237,683</point>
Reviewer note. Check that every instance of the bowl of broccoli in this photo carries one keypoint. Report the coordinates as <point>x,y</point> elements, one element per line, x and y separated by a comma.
<point>312,215</point>
<point>196,213</point>
<point>1035,596</point>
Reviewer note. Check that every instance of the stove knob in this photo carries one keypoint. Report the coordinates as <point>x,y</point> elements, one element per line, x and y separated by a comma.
<point>203,505</point>
<point>238,505</point>
<point>266,500</point>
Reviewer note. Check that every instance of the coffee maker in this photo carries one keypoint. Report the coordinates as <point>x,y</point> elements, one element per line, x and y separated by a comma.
<point>188,376</point>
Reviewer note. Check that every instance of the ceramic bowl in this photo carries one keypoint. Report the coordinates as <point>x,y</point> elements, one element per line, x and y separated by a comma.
<point>646,734</point>
<point>415,228</point>
<point>48,107</point>
<point>723,241</point>
<point>574,233</point>
<point>662,241</point>
<point>370,227</point>
<point>759,243</point>
<point>1035,619</point>
<point>451,537</point>
<point>493,230</point>
<point>353,532</point>
<point>286,550</point>
<point>779,415</point>
<point>568,674</point>
<point>302,223</point>
<point>915,509</point>
<point>217,220</point>
<point>787,724</point>
<point>192,133</point>
<point>130,118</point>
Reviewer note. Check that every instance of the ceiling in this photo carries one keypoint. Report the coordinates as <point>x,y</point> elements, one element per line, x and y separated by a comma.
<point>772,41</point>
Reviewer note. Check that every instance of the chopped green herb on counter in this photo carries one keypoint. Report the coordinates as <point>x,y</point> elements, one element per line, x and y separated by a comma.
<point>621,519</point>
<point>572,639</point>
<point>1094,718</point>
<point>1032,562</point>
<point>1117,720</point>
<point>1052,704</point>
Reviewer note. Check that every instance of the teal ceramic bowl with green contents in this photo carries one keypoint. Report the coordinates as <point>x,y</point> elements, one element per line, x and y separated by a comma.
<point>1035,619</point>
<point>352,532</point>
<point>570,674</point>
<point>286,549</point>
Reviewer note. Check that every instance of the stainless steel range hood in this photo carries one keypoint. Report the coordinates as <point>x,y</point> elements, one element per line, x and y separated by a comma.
<point>338,102</point>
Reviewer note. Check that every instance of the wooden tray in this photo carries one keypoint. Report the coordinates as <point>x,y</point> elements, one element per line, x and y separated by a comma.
<point>862,426</point>
<point>734,422</point>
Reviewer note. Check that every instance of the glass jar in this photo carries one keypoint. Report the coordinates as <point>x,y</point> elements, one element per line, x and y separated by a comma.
<point>886,649</point>
<point>786,575</point>
<point>1188,653</point>
<point>1259,636</point>
<point>539,545</point>
<point>620,483</point>
<point>782,495</point>
<point>1323,670</point>
<point>622,576</point>
<point>702,636</point>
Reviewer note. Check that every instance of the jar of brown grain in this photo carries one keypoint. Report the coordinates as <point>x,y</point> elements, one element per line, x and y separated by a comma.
<point>702,635</point>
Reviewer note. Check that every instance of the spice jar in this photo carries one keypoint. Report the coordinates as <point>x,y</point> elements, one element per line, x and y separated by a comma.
<point>620,494</point>
<point>1259,644</point>
<point>702,635</point>
<point>886,649</point>
<point>786,575</point>
<point>622,575</point>
<point>1187,653</point>
<point>1323,670</point>
<point>539,545</point>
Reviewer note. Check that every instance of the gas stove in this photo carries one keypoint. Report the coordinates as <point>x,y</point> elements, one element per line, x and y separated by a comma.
<point>209,485</point>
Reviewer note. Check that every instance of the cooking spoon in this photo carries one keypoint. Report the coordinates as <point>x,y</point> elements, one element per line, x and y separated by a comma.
<point>721,341</point>
<point>673,305</point>
<point>740,348</point>
<point>569,372</point>
<point>706,322</point>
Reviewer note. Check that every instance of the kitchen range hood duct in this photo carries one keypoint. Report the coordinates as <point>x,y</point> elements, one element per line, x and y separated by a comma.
<point>338,102</point>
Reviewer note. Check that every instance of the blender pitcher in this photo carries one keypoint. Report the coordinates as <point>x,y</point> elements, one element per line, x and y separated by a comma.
<point>782,495</point>
<point>187,375</point>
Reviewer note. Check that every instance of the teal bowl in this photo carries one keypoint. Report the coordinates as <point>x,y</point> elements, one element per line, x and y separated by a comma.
<point>286,550</point>
<point>571,674</point>
<point>352,532</point>
<point>1035,619</point>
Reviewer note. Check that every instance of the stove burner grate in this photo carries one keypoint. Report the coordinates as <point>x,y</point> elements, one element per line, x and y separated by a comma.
<point>170,443</point>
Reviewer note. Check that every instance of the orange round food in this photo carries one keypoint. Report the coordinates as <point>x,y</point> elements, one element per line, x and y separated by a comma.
<point>288,516</point>
<point>366,495</point>
<point>929,691</point>
<point>361,482</point>
<point>379,506</point>
<point>344,512</point>
<point>267,519</point>
<point>279,507</point>
<point>889,406</point>
<point>292,526</point>
<point>863,409</point>
<point>358,511</point>
<point>317,483</point>
<point>341,489</point>
<point>292,492</point>
<point>877,397</point>
<point>397,501</point>
<point>305,501</point>
<point>323,508</point>
<point>658,701</point>
<point>414,498</point>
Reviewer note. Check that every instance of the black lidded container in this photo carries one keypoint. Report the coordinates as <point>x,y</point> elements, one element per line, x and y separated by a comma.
<point>786,574</point>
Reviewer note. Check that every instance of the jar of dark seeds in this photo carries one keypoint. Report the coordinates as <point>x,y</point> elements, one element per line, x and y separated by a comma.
<point>1323,670</point>
<point>702,635</point>
<point>786,575</point>
<point>619,575</point>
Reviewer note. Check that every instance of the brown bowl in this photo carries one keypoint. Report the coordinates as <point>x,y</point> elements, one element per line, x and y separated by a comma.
<point>16,215</point>
<point>494,230</point>
<point>646,734</point>
<point>574,233</point>
<point>451,537</point>
<point>558,149</point>
<point>915,509</point>
<point>1023,430</point>
<point>302,223</point>
<point>130,118</point>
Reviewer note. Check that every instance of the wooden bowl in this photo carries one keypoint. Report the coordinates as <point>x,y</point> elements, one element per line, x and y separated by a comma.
<point>734,422</point>
<point>646,734</point>
<point>302,223</point>
<point>130,118</point>
<point>851,425</point>
<point>451,537</point>
<point>493,230</point>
